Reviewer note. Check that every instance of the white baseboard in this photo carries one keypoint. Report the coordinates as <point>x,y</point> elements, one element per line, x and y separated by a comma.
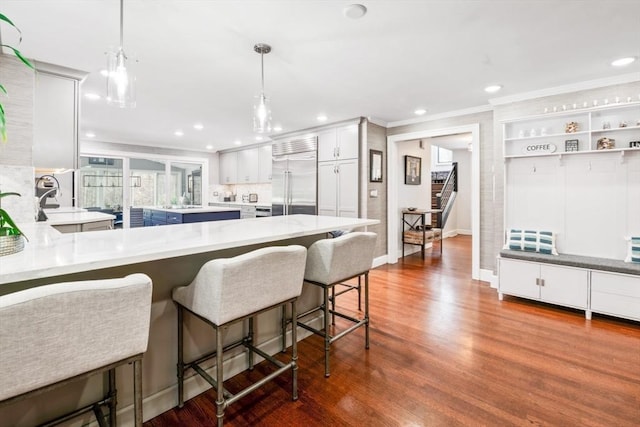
<point>381,260</point>
<point>488,276</point>
<point>194,385</point>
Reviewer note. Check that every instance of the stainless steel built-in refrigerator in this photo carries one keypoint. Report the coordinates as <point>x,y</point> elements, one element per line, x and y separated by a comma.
<point>294,177</point>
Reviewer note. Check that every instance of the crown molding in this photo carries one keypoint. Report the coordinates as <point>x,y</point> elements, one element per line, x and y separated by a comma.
<point>431,117</point>
<point>573,87</point>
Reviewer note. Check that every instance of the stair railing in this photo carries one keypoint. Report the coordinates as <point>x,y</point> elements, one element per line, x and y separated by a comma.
<point>446,196</point>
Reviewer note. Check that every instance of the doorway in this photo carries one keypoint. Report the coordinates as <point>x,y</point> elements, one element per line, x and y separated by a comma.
<point>395,172</point>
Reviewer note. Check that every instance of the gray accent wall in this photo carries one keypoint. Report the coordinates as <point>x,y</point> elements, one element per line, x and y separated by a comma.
<point>377,206</point>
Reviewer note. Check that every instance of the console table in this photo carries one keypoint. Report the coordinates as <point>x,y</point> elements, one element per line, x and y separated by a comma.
<point>417,231</point>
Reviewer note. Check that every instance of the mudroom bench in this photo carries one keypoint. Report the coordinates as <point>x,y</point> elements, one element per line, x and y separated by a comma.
<point>598,285</point>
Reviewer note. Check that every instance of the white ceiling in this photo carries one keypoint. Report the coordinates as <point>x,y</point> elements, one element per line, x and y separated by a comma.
<point>197,64</point>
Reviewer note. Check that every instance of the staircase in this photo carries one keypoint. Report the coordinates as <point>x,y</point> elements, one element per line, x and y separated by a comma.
<point>444,188</point>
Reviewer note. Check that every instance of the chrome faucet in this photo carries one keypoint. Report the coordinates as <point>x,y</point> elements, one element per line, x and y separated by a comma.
<point>42,200</point>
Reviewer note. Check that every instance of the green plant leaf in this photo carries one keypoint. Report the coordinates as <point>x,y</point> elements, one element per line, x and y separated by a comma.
<point>19,55</point>
<point>8,21</point>
<point>3,89</point>
<point>9,194</point>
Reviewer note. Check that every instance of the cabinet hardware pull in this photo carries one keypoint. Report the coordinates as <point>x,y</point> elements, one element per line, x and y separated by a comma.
<point>541,282</point>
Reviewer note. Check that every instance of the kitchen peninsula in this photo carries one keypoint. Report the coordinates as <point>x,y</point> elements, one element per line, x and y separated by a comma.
<point>171,256</point>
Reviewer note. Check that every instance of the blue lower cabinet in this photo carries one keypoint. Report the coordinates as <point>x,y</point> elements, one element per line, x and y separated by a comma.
<point>158,217</point>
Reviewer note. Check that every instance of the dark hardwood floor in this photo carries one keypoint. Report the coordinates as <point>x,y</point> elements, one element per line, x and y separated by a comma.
<point>445,352</point>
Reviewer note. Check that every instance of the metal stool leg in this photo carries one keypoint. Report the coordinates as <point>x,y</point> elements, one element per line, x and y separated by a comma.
<point>366,309</point>
<point>327,336</point>
<point>113,397</point>
<point>220,378</point>
<point>137,392</point>
<point>359,293</point>
<point>180,366</point>
<point>250,341</point>
<point>284,327</point>
<point>333,305</point>
<point>294,351</point>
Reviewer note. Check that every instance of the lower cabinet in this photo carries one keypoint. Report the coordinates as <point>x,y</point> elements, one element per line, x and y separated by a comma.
<point>338,188</point>
<point>154,217</point>
<point>615,294</point>
<point>87,226</point>
<point>554,284</point>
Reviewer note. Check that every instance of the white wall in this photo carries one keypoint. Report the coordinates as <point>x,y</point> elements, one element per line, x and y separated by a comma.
<point>462,206</point>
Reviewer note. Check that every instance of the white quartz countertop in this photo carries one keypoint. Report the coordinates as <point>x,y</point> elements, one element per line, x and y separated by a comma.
<point>203,209</point>
<point>49,254</point>
<point>67,218</point>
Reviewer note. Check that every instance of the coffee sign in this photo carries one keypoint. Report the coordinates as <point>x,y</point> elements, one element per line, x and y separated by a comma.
<point>539,148</point>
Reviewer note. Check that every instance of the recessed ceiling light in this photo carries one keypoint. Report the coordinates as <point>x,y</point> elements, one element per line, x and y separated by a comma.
<point>493,88</point>
<point>322,118</point>
<point>198,126</point>
<point>277,129</point>
<point>209,147</point>
<point>354,11</point>
<point>259,138</point>
<point>178,133</point>
<point>420,111</point>
<point>623,61</point>
<point>90,135</point>
<point>92,96</point>
<point>237,142</point>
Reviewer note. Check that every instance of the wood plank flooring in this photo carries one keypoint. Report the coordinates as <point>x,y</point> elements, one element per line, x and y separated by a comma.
<point>445,352</point>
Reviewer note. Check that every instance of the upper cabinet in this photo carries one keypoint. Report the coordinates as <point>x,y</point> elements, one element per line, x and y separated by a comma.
<point>56,119</point>
<point>338,143</point>
<point>229,167</point>
<point>610,127</point>
<point>249,166</point>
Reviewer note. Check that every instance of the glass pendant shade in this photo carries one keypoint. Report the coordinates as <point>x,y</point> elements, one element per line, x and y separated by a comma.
<point>121,80</point>
<point>261,114</point>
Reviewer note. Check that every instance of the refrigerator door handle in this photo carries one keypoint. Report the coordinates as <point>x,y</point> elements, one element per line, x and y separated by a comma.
<point>288,193</point>
<point>284,193</point>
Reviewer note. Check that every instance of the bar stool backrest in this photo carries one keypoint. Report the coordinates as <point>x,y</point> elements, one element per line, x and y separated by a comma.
<point>54,332</point>
<point>229,288</point>
<point>333,260</point>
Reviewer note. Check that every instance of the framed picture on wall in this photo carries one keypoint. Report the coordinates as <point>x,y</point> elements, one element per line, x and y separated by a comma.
<point>375,166</point>
<point>412,168</point>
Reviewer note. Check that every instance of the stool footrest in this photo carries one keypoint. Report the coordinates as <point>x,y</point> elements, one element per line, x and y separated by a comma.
<point>259,383</point>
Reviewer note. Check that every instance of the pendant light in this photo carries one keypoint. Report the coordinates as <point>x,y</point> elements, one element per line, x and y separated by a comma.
<point>261,107</point>
<point>120,74</point>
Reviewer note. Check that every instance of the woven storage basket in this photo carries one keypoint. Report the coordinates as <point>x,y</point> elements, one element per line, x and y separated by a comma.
<point>11,244</point>
<point>416,236</point>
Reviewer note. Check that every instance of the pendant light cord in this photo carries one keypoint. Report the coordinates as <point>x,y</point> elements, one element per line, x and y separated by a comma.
<point>121,25</point>
<point>262,69</point>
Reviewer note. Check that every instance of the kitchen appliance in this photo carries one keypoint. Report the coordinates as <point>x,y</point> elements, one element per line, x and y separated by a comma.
<point>294,177</point>
<point>253,197</point>
<point>263,211</point>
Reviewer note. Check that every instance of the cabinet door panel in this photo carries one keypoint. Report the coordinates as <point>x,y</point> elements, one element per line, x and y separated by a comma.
<point>519,278</point>
<point>327,188</point>
<point>54,130</point>
<point>347,177</point>
<point>265,161</point>
<point>228,168</point>
<point>327,145</point>
<point>615,294</point>
<point>248,165</point>
<point>565,286</point>
<point>347,142</point>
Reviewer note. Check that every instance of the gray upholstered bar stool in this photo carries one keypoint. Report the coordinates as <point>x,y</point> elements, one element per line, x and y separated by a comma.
<point>329,263</point>
<point>230,290</point>
<point>55,334</point>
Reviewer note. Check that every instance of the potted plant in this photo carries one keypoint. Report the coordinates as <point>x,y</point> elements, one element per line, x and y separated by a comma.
<point>11,237</point>
<point>3,123</point>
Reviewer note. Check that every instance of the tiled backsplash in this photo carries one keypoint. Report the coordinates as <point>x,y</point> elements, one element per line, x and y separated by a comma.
<point>263,191</point>
<point>18,179</point>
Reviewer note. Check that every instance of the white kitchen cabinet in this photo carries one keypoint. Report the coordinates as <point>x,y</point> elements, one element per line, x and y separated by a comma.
<point>83,227</point>
<point>248,166</point>
<point>615,294</point>
<point>265,163</point>
<point>55,124</point>
<point>338,188</point>
<point>229,167</point>
<point>338,143</point>
<point>554,284</point>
